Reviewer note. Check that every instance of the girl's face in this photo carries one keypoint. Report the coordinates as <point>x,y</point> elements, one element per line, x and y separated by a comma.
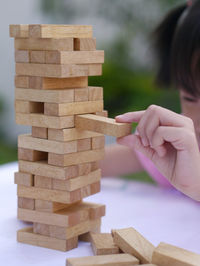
<point>191,108</point>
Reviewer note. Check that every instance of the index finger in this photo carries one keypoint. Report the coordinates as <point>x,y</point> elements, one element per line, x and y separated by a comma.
<point>130,117</point>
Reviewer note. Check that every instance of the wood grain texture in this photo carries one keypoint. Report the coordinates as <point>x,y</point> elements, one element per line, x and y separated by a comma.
<point>19,30</point>
<point>49,206</point>
<point>40,132</point>
<point>26,203</point>
<point>27,236</point>
<point>24,179</point>
<point>132,242</point>
<point>104,125</point>
<point>27,107</point>
<point>21,81</point>
<point>84,44</point>
<point>166,254</point>
<point>31,155</point>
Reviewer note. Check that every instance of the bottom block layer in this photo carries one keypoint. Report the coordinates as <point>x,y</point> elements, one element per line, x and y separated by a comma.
<point>27,236</point>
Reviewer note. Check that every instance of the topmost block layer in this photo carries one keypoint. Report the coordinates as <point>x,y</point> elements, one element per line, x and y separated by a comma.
<point>50,31</point>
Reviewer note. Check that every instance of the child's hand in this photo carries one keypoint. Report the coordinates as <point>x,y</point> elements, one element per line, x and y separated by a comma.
<point>169,140</point>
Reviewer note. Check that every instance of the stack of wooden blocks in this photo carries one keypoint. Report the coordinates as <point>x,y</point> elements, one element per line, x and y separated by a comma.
<point>58,161</point>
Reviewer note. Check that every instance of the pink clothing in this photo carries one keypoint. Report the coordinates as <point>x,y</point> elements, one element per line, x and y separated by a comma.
<point>152,170</point>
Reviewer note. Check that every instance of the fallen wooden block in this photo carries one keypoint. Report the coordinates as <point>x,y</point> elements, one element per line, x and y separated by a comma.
<point>27,107</point>
<point>65,109</point>
<point>40,132</point>
<point>103,244</point>
<point>24,179</point>
<point>70,134</point>
<point>74,57</point>
<point>49,206</point>
<point>60,31</point>
<point>130,241</point>
<point>26,203</point>
<point>166,254</point>
<point>102,260</point>
<point>47,96</point>
<point>56,83</point>
<point>31,155</point>
<point>61,44</point>
<point>70,216</point>
<point>75,158</point>
<point>41,120</point>
<point>27,236</point>
<point>84,44</point>
<point>58,71</point>
<point>30,143</point>
<point>104,125</point>
<point>19,30</point>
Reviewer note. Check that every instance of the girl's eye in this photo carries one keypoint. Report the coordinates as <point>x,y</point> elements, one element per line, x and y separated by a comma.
<point>189,99</point>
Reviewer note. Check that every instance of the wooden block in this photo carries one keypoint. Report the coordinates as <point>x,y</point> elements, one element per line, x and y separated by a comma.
<point>63,109</point>
<point>81,95</point>
<point>74,57</point>
<point>26,141</point>
<point>65,44</point>
<point>19,31</point>
<point>103,244</point>
<point>42,182</point>
<point>97,211</point>
<point>75,158</point>
<point>87,236</point>
<point>27,236</point>
<point>64,218</point>
<point>90,190</point>
<point>40,132</point>
<point>94,166</point>
<point>70,134</point>
<point>42,168</point>
<point>49,206</point>
<point>27,107</point>
<point>24,179</point>
<point>77,182</point>
<point>37,57</point>
<point>108,260</point>
<point>60,31</point>
<point>58,71</point>
<point>130,241</point>
<point>166,254</point>
<point>31,155</point>
<point>95,93</point>
<point>57,83</point>
<point>84,144</point>
<point>22,56</point>
<point>48,96</point>
<point>84,168</point>
<point>98,142</point>
<point>103,113</point>
<point>26,203</point>
<point>103,125</point>
<point>40,120</point>
<point>21,81</point>
<point>84,44</point>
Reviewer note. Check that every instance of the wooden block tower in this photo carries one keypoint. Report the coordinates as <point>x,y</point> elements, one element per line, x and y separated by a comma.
<point>58,161</point>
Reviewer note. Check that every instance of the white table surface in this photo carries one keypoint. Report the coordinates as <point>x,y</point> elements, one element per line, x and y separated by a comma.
<point>158,214</point>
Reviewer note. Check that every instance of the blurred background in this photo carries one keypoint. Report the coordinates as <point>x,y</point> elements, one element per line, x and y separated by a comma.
<point>122,28</point>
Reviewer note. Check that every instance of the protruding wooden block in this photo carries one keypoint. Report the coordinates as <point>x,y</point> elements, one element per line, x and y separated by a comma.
<point>104,125</point>
<point>24,179</point>
<point>40,132</point>
<point>103,244</point>
<point>81,95</point>
<point>84,44</point>
<point>59,31</point>
<point>57,83</point>
<point>48,96</point>
<point>26,203</point>
<point>49,206</point>
<point>19,30</point>
<point>44,169</point>
<point>166,254</point>
<point>26,141</point>
<point>84,144</point>
<point>75,158</point>
<point>70,134</point>
<point>27,107</point>
<point>65,44</point>
<point>21,81</point>
<point>31,155</point>
<point>22,56</point>
<point>75,57</point>
<point>77,182</point>
<point>95,93</point>
<point>132,242</point>
<point>98,142</point>
<point>37,57</point>
<point>58,71</point>
<point>63,109</point>
<point>42,182</point>
<point>108,260</point>
<point>27,236</point>
<point>40,120</point>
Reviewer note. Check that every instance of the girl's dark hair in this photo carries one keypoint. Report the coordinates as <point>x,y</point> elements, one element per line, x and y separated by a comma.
<point>177,46</point>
